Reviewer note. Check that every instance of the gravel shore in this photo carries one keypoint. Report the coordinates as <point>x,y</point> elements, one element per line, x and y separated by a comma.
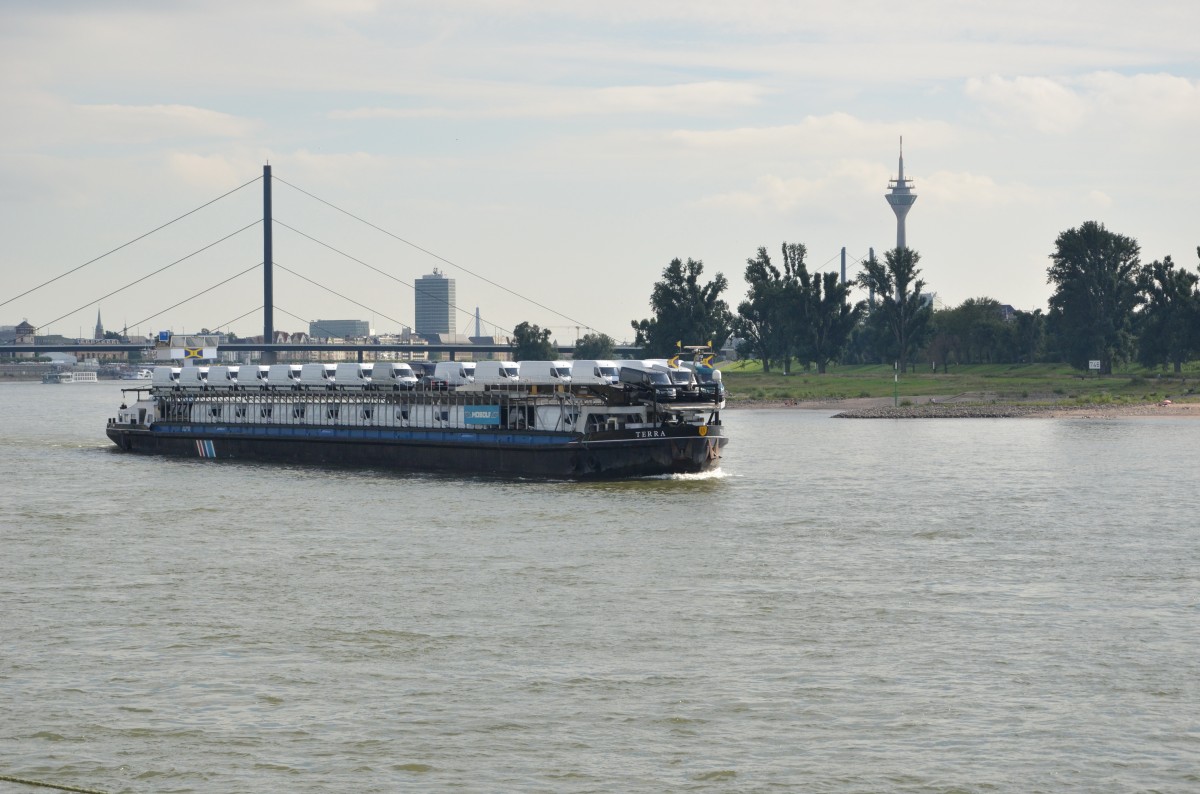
<point>932,408</point>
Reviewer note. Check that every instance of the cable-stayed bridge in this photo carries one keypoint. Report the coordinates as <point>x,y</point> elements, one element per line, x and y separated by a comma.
<point>268,344</point>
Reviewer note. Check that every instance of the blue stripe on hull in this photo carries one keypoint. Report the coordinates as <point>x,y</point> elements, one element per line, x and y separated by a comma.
<point>456,436</point>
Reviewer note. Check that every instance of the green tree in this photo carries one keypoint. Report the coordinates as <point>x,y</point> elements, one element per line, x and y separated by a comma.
<point>899,307</point>
<point>1094,274</point>
<point>828,319</point>
<point>531,343</point>
<point>976,331</point>
<point>1027,336</point>
<point>866,345</point>
<point>595,346</point>
<point>942,344</point>
<point>684,311</point>
<point>978,326</point>
<point>1169,323</point>
<point>769,317</point>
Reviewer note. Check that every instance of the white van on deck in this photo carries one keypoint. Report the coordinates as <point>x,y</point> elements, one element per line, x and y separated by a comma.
<point>252,377</point>
<point>455,373</point>
<point>351,376</point>
<point>283,376</point>
<point>222,378</point>
<point>165,378</point>
<point>392,376</point>
<point>594,372</point>
<point>545,373</point>
<point>193,378</point>
<point>497,373</point>
<point>317,376</point>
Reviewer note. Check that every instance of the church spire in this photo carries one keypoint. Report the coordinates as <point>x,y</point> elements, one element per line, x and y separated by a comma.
<point>99,327</point>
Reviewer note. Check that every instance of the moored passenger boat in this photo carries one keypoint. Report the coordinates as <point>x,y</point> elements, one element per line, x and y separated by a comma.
<point>593,431</point>
<point>70,376</point>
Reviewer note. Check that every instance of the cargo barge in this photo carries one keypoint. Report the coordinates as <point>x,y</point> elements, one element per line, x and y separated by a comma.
<point>632,428</point>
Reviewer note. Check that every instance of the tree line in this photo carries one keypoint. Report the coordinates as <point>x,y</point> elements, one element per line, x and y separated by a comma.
<point>1106,306</point>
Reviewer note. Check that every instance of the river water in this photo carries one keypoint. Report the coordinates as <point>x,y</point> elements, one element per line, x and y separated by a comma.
<point>847,606</point>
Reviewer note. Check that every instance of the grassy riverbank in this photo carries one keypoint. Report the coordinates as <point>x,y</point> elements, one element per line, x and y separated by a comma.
<point>1016,383</point>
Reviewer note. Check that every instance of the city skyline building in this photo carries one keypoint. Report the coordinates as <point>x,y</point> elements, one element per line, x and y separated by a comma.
<point>339,329</point>
<point>901,197</point>
<point>434,297</point>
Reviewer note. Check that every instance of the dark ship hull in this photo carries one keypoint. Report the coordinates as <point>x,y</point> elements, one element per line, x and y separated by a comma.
<point>604,455</point>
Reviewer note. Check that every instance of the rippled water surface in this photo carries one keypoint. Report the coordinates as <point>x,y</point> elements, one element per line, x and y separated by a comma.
<point>848,606</point>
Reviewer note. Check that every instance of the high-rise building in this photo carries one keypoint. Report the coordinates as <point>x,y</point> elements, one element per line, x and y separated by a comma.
<point>339,329</point>
<point>901,197</point>
<point>435,299</point>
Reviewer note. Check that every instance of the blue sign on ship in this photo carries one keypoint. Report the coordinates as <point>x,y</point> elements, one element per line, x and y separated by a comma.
<point>482,414</point>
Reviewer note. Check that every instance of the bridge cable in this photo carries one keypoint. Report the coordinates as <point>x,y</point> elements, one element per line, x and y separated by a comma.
<point>150,275</point>
<point>335,292</point>
<point>435,256</point>
<point>201,292</point>
<point>309,323</point>
<point>279,308</point>
<point>235,319</point>
<point>377,270</point>
<point>131,242</point>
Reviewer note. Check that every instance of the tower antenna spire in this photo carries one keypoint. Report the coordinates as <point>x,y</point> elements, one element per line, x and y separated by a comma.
<point>901,196</point>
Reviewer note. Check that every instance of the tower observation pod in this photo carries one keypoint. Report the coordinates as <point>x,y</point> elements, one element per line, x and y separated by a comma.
<point>901,196</point>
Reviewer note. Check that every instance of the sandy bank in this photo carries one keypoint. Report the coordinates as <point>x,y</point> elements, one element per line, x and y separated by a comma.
<point>956,408</point>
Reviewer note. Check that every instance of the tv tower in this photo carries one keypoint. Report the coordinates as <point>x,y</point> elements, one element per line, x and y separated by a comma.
<point>901,197</point>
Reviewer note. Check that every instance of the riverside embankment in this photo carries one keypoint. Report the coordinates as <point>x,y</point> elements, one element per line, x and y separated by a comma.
<point>960,408</point>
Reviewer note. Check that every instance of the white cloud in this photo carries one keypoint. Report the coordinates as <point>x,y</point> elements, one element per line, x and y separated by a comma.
<point>1045,104</point>
<point>145,123</point>
<point>1144,99</point>
<point>832,135</point>
<point>784,194</point>
<point>212,171</point>
<point>37,118</point>
<point>526,101</point>
<point>1062,106</point>
<point>957,188</point>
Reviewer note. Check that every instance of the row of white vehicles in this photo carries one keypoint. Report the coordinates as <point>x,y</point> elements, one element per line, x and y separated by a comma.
<point>387,376</point>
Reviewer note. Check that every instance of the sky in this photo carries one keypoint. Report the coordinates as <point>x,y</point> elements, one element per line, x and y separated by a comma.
<point>553,157</point>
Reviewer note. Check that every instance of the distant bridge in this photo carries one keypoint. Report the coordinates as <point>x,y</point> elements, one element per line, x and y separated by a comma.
<point>268,307</point>
<point>316,348</point>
